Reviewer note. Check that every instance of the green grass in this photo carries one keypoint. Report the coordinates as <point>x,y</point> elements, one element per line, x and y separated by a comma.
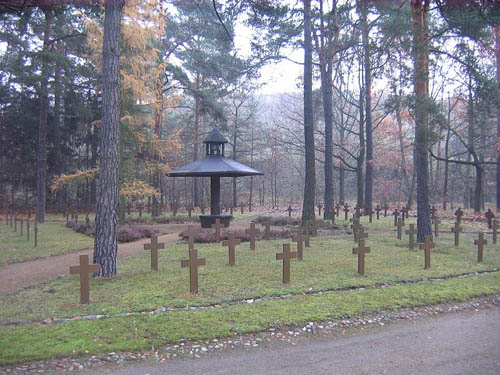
<point>39,342</point>
<point>53,239</point>
<point>328,264</point>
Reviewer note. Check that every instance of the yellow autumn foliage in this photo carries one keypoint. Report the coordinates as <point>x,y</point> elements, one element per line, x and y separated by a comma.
<point>75,178</point>
<point>138,188</point>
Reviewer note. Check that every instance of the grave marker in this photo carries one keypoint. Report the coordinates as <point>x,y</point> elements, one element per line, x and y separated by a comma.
<point>457,229</point>
<point>403,213</point>
<point>489,216</point>
<point>346,211</point>
<point>396,215</point>
<point>252,232</point>
<point>154,246</point>
<point>411,232</point>
<point>355,228</point>
<point>190,233</point>
<point>427,246</point>
<point>400,224</point>
<point>433,211</point>
<point>436,223</point>
<point>319,209</point>
<point>361,250</point>
<point>217,226</point>
<point>231,243</point>
<point>377,210</point>
<point>458,214</point>
<point>480,242</point>
<point>286,255</point>
<point>193,263</point>
<point>299,238</point>
<point>289,209</point>
<point>83,270</point>
<point>386,207</point>
<point>361,235</point>
<point>267,231</point>
<point>337,209</point>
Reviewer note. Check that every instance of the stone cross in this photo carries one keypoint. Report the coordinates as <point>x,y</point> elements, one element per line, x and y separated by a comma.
<point>495,228</point>
<point>355,228</point>
<point>361,250</point>
<point>411,232</point>
<point>436,223</point>
<point>193,263</point>
<point>346,211</point>
<point>457,229</point>
<point>489,216</point>
<point>217,226</point>
<point>337,210</point>
<point>299,238</point>
<point>319,209</point>
<point>386,207</point>
<point>267,231</point>
<point>190,233</point>
<point>231,243</point>
<point>83,270</point>
<point>396,214</point>
<point>377,210</point>
<point>154,246</point>
<point>480,242</point>
<point>458,214</point>
<point>286,255</point>
<point>360,235</point>
<point>252,232</point>
<point>400,224</point>
<point>289,209</point>
<point>427,246</point>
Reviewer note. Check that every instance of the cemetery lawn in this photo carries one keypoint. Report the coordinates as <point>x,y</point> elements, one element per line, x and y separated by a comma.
<point>53,239</point>
<point>230,292</point>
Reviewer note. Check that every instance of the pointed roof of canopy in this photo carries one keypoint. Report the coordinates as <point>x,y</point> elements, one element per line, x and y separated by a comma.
<point>215,137</point>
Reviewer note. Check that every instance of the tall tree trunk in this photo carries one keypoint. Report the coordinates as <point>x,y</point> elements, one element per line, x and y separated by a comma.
<point>419,10</point>
<point>108,196</point>
<point>41,170</point>
<point>361,157</point>
<point>497,54</point>
<point>478,190</point>
<point>57,127</point>
<point>310,175</point>
<point>156,207</point>
<point>368,107</point>
<point>196,142</point>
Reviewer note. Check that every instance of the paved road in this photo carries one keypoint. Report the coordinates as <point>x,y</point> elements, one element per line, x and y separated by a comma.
<point>460,344</point>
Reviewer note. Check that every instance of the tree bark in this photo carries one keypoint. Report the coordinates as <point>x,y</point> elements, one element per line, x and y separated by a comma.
<point>108,196</point>
<point>419,10</point>
<point>497,55</point>
<point>196,143</point>
<point>41,171</point>
<point>310,175</point>
<point>57,127</point>
<point>361,157</point>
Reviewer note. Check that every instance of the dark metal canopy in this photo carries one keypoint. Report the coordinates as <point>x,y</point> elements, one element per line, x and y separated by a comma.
<point>214,163</point>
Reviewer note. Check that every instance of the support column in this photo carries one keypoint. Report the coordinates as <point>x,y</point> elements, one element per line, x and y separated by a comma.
<point>215,195</point>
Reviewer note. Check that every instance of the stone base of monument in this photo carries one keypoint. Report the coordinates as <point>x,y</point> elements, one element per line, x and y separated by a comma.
<point>207,220</point>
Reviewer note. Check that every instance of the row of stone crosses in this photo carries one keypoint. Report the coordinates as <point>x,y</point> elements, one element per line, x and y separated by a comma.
<point>302,238</point>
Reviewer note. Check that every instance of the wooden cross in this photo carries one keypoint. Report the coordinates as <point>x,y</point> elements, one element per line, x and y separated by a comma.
<point>83,270</point>
<point>480,242</point>
<point>436,223</point>
<point>289,209</point>
<point>190,233</point>
<point>427,246</point>
<point>403,214</point>
<point>217,226</point>
<point>361,250</point>
<point>154,246</point>
<point>193,263</point>
<point>457,229</point>
<point>267,231</point>
<point>489,216</point>
<point>337,209</point>
<point>396,214</point>
<point>377,210</point>
<point>495,228</point>
<point>252,232</point>
<point>360,235</point>
<point>231,243</point>
<point>286,255</point>
<point>319,209</point>
<point>346,211</point>
<point>458,214</point>
<point>400,224</point>
<point>355,228</point>
<point>411,232</point>
<point>386,207</point>
<point>299,238</point>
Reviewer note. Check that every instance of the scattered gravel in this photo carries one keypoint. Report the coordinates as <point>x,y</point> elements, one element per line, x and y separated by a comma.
<point>288,334</point>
